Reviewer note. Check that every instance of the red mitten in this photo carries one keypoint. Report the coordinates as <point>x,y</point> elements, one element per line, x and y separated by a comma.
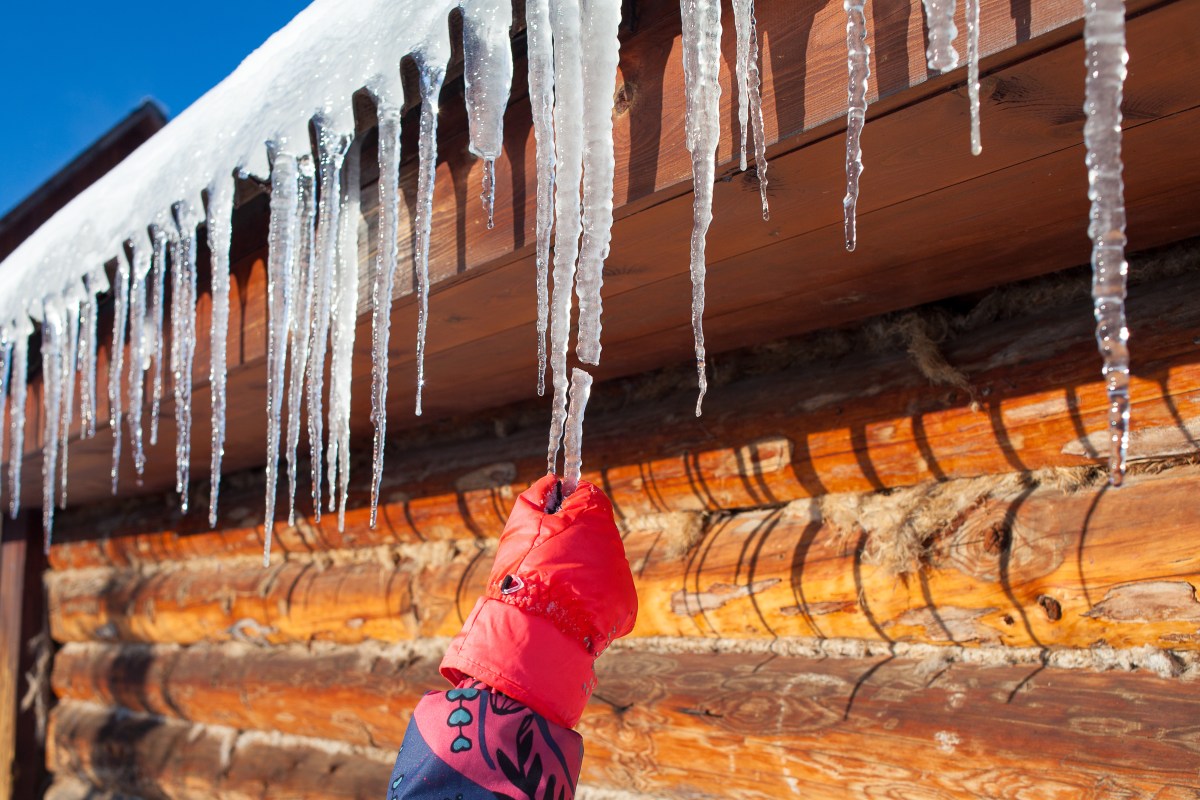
<point>559,593</point>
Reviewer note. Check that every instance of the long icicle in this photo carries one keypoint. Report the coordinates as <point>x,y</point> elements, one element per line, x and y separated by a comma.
<point>431,67</point>
<point>138,350</point>
<point>219,226</point>
<point>301,318</point>
<point>345,313</point>
<point>750,95</point>
<point>16,416</point>
<point>600,53</point>
<point>387,256</point>
<point>280,257</point>
<point>858,60</point>
<point>568,142</point>
<point>158,273</point>
<point>116,363</point>
<point>6,360</point>
<point>87,360</point>
<point>541,100</point>
<point>71,319</point>
<point>581,390</point>
<point>701,64</point>
<point>487,79</point>
<point>52,369</point>
<point>971,9</point>
<point>331,146</point>
<point>1104,39</point>
<point>183,346</point>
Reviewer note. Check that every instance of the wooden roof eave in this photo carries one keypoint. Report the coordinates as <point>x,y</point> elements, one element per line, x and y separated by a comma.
<point>933,220</point>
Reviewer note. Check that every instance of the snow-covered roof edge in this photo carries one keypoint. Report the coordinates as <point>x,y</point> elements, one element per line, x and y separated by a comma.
<point>309,69</point>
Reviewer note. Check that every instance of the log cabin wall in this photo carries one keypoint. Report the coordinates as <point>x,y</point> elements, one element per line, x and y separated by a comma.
<point>884,563</point>
<point>815,615</point>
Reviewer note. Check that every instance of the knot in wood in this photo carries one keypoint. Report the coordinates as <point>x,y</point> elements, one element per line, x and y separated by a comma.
<point>1051,606</point>
<point>997,539</point>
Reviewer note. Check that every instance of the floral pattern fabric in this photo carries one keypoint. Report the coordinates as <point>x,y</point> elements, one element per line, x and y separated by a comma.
<point>474,743</point>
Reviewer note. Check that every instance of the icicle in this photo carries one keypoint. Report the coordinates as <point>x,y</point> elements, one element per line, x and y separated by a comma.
<point>345,313</point>
<point>220,230</point>
<point>541,98</point>
<point>52,369</point>
<point>183,345</point>
<point>381,290</point>
<point>701,63</point>
<point>138,344</point>
<point>332,148</point>
<point>158,271</point>
<point>70,360</point>
<point>581,390</point>
<point>6,358</point>
<point>971,9</point>
<point>281,255</point>
<point>431,65</point>
<point>1104,38</point>
<point>301,319</point>
<point>487,75</point>
<point>749,94</point>
<point>16,415</point>
<point>939,18</point>
<point>87,361</point>
<point>600,51</point>
<point>117,362</point>
<point>568,144</point>
<point>858,60</point>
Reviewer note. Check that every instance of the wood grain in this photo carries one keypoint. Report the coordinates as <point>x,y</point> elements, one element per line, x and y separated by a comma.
<point>997,550</point>
<point>360,695</point>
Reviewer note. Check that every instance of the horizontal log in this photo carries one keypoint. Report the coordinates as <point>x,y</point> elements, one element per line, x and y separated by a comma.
<point>768,725</point>
<point>984,561</point>
<point>856,421</point>
<point>156,758</point>
<point>362,695</point>
<point>929,183</point>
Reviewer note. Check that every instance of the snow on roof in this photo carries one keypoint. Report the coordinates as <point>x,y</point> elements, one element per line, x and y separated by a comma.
<point>310,68</point>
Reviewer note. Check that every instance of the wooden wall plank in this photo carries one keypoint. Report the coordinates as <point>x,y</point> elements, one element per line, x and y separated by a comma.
<point>859,421</point>
<point>770,725</point>
<point>1009,563</point>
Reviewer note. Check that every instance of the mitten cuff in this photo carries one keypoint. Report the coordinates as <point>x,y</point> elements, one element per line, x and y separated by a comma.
<point>525,657</point>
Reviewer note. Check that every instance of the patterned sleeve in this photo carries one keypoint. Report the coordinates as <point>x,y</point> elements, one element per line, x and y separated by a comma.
<point>473,743</point>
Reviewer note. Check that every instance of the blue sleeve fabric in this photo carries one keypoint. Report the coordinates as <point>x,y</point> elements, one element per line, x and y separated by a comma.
<point>473,743</point>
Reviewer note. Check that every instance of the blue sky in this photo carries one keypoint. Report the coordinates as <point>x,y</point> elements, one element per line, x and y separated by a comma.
<point>70,70</point>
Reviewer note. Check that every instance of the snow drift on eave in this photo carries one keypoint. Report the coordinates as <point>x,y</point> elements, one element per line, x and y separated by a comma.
<point>310,68</point>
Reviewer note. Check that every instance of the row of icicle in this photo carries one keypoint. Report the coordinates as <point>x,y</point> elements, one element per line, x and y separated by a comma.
<point>312,281</point>
<point>1104,41</point>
